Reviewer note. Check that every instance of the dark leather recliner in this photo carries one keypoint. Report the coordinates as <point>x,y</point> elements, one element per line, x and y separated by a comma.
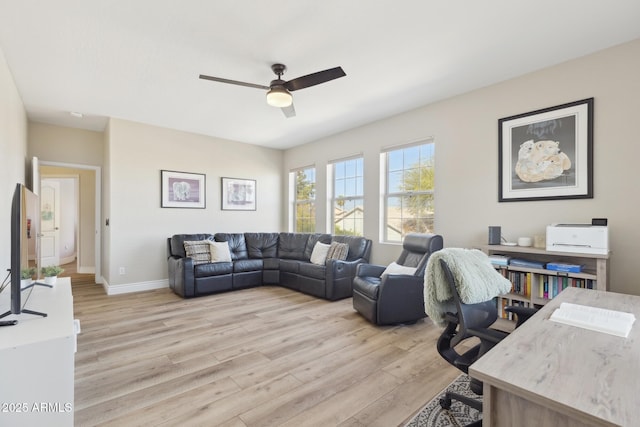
<point>395,298</point>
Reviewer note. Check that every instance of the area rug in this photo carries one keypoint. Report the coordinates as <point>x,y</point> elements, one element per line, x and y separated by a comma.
<point>459,415</point>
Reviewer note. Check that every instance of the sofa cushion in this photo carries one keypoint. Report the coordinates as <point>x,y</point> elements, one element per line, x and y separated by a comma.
<point>292,245</point>
<point>177,242</point>
<point>271,263</point>
<point>338,251</point>
<point>319,254</point>
<point>313,270</point>
<point>357,246</point>
<point>198,250</point>
<point>290,265</point>
<point>220,252</point>
<point>237,245</point>
<point>368,286</point>
<point>311,243</point>
<point>395,268</point>
<point>212,269</point>
<point>244,265</point>
<point>262,245</point>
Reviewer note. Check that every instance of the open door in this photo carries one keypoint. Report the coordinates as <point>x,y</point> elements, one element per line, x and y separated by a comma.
<point>49,222</point>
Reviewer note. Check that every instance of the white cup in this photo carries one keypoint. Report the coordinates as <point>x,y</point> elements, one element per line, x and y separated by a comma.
<point>524,241</point>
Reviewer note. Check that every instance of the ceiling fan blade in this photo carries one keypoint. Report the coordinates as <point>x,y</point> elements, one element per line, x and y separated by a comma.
<point>314,79</point>
<point>233,82</point>
<point>289,111</point>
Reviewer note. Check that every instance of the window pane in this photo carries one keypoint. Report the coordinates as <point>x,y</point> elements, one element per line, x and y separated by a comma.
<point>350,187</point>
<point>339,189</point>
<point>411,157</point>
<point>339,170</point>
<point>395,182</point>
<point>394,160</point>
<point>304,201</point>
<point>348,214</point>
<point>412,179</point>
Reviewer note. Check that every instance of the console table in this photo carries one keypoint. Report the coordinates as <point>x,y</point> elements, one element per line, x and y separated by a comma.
<point>550,374</point>
<point>37,359</point>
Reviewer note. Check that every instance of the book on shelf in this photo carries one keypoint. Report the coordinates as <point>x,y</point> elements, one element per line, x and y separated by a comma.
<point>612,322</point>
<point>499,260</point>
<point>568,268</point>
<point>519,262</point>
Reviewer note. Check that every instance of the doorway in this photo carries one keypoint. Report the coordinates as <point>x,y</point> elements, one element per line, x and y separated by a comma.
<point>83,191</point>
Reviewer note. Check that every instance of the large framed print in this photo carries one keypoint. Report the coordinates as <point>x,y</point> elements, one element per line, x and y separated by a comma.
<point>182,189</point>
<point>547,154</point>
<point>238,194</point>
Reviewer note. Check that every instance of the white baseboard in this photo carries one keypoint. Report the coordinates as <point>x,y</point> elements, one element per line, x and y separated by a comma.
<point>86,270</point>
<point>126,288</point>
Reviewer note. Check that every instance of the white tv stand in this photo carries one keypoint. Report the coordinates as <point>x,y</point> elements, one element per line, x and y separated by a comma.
<point>37,358</point>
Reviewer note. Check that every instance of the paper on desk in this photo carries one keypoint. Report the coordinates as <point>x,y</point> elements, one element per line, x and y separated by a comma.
<point>594,318</point>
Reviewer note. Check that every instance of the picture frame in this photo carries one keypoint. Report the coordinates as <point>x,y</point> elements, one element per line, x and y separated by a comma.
<point>547,154</point>
<point>238,194</point>
<point>182,190</point>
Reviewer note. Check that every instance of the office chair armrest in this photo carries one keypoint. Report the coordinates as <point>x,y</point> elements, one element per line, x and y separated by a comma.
<point>522,313</point>
<point>492,336</point>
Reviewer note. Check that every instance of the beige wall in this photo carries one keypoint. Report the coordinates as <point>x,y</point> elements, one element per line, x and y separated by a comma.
<point>139,227</point>
<point>65,145</point>
<point>466,137</point>
<point>13,157</point>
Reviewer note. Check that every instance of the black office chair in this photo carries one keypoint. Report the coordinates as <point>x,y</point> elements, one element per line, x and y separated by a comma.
<point>471,320</point>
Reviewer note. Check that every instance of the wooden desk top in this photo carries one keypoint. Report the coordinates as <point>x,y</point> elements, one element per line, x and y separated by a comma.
<point>589,375</point>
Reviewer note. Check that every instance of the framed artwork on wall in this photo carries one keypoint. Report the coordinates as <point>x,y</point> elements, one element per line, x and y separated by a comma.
<point>182,189</point>
<point>547,154</point>
<point>238,194</point>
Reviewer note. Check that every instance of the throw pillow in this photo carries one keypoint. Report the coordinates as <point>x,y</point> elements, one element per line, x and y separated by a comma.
<point>338,251</point>
<point>395,268</point>
<point>220,251</point>
<point>198,250</point>
<point>319,254</point>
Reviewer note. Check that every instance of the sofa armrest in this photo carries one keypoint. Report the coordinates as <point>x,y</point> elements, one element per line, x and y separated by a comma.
<point>400,297</point>
<point>394,283</point>
<point>339,278</point>
<point>340,269</point>
<point>369,270</point>
<point>181,278</point>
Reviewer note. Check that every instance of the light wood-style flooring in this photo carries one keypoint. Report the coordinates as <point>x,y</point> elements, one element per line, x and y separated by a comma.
<point>264,356</point>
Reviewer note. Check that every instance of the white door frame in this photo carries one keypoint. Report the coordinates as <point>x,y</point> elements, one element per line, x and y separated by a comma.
<point>98,209</point>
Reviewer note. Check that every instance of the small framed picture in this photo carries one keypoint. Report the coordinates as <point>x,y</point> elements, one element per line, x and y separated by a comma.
<point>238,194</point>
<point>182,189</point>
<point>547,154</point>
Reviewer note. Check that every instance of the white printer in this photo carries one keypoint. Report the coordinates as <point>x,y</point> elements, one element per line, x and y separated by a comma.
<point>580,238</point>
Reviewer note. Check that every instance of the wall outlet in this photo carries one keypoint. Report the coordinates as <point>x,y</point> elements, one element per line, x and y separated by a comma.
<point>122,271</point>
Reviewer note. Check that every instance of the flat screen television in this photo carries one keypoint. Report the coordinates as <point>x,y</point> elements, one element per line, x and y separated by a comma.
<point>24,244</point>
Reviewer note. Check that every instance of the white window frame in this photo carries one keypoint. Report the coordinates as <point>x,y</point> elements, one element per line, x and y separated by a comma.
<point>295,202</point>
<point>337,197</point>
<point>386,195</point>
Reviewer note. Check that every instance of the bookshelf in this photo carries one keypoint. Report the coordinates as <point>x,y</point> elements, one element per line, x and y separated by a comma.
<point>535,286</point>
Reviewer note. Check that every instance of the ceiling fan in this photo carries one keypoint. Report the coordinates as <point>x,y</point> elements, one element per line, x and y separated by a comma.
<point>279,91</point>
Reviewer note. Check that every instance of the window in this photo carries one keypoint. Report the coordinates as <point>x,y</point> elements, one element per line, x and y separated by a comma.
<point>305,200</point>
<point>348,197</point>
<point>408,190</point>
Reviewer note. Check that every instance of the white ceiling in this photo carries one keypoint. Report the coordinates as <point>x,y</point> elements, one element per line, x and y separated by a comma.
<point>139,60</point>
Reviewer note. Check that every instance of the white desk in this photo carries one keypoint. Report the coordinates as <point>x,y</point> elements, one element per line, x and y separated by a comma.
<point>550,374</point>
<point>37,359</point>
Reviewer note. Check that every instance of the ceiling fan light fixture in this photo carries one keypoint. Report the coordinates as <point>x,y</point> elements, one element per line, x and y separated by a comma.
<point>279,97</point>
